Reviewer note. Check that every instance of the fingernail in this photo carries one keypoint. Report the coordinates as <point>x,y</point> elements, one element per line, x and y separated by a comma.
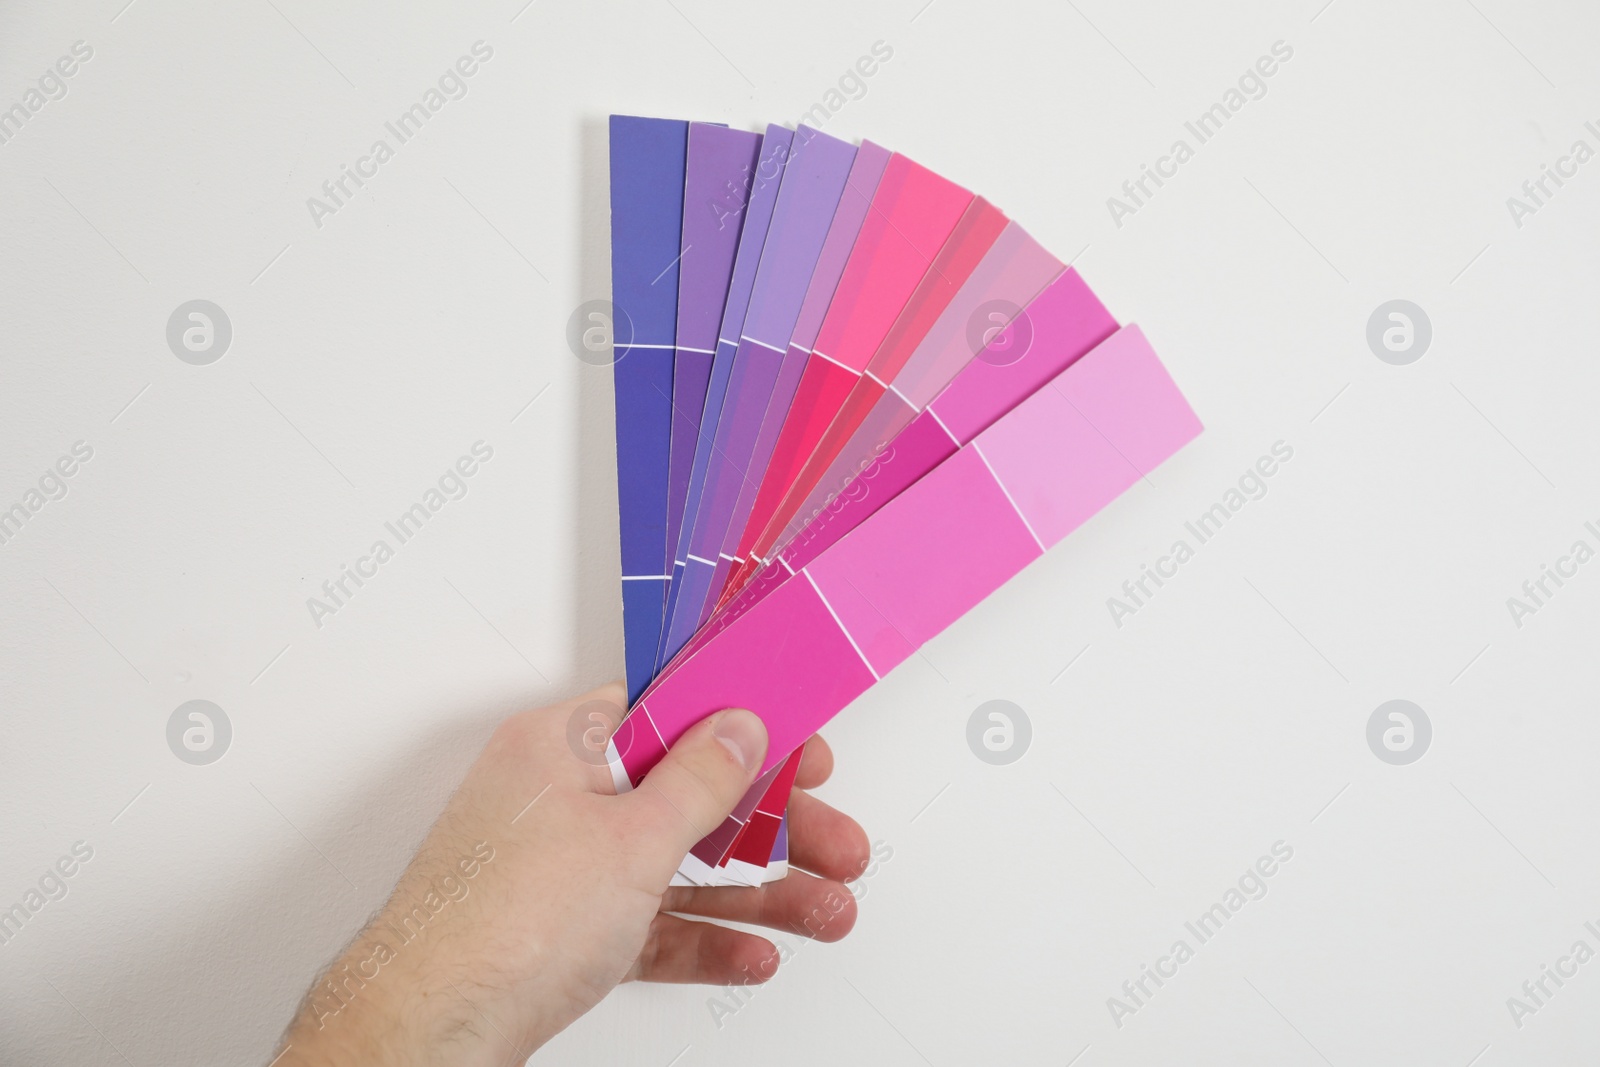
<point>744,735</point>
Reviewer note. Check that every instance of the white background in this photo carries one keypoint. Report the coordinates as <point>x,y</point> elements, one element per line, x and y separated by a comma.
<point>1228,714</point>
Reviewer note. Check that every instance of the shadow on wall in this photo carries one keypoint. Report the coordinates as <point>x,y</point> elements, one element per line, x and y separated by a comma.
<point>599,577</point>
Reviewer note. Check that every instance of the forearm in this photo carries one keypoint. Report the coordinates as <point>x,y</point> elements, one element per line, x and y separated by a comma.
<point>425,981</point>
<point>388,1001</point>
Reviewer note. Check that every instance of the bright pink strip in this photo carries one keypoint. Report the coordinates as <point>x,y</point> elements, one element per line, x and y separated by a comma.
<point>896,584</point>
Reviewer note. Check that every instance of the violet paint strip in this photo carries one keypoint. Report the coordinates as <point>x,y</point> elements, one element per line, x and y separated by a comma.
<point>721,165</point>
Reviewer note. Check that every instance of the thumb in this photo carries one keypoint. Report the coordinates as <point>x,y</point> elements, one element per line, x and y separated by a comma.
<point>702,777</point>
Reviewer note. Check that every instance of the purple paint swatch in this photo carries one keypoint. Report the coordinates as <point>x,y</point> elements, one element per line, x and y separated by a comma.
<point>721,166</point>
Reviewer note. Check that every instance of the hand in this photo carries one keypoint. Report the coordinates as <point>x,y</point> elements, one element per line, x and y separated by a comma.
<point>515,918</point>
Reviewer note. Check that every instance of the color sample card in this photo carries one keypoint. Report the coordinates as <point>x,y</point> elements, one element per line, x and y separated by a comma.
<point>647,173</point>
<point>721,165</point>
<point>852,400</point>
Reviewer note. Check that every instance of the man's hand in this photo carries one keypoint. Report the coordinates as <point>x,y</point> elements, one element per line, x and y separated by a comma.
<point>538,891</point>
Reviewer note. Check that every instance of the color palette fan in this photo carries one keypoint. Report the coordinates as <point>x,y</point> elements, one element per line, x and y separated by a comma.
<point>852,400</point>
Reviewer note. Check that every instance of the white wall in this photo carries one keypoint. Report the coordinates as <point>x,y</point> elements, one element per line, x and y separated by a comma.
<point>1229,713</point>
